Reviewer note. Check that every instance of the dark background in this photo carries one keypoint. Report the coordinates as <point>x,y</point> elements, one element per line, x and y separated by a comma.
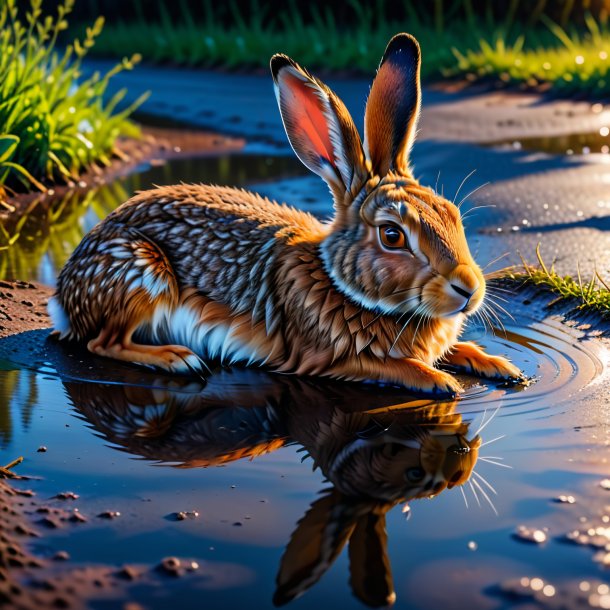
<point>564,12</point>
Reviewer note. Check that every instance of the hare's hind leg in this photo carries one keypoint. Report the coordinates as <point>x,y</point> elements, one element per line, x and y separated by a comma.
<point>138,282</point>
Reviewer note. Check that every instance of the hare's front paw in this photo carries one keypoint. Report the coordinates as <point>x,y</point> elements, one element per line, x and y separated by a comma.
<point>424,378</point>
<point>472,359</point>
<point>498,367</point>
<point>444,383</point>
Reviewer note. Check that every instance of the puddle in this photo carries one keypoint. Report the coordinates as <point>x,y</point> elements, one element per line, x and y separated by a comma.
<point>570,144</point>
<point>248,455</point>
<point>49,236</point>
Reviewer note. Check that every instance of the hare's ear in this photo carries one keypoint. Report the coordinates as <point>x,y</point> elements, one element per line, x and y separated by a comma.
<point>315,544</point>
<point>392,109</point>
<point>370,571</point>
<point>319,128</point>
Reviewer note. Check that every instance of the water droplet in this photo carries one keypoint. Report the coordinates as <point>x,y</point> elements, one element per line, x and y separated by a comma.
<point>564,499</point>
<point>530,534</point>
<point>473,546</point>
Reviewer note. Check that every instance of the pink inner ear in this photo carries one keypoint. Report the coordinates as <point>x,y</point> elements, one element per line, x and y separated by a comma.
<point>308,118</point>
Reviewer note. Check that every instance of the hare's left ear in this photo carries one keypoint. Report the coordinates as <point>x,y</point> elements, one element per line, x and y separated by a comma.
<point>319,128</point>
<point>392,109</point>
<point>369,564</point>
<point>315,544</point>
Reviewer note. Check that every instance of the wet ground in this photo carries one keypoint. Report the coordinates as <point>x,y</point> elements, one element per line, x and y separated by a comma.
<point>219,473</point>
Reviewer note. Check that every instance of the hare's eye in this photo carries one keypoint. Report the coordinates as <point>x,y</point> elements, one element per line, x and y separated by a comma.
<point>392,237</point>
<point>416,474</point>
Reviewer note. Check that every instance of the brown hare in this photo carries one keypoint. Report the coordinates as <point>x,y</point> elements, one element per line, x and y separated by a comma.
<point>182,274</point>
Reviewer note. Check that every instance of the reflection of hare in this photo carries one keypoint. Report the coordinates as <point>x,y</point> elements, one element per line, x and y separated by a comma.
<point>186,272</point>
<point>376,451</point>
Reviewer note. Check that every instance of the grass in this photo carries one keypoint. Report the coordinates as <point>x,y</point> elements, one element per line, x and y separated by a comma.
<point>592,296</point>
<point>455,41</point>
<point>53,123</point>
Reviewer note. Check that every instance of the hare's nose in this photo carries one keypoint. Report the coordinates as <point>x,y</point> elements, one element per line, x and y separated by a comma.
<point>465,293</point>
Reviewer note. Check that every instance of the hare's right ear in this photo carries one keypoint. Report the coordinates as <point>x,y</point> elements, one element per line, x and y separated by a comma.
<point>315,544</point>
<point>392,110</point>
<point>319,128</point>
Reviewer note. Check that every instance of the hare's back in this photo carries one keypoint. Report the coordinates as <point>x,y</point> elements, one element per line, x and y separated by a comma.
<point>216,238</point>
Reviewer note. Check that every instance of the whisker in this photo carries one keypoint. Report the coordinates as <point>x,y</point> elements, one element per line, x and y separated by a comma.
<point>495,463</point>
<point>495,287</point>
<point>470,211</point>
<point>472,193</point>
<point>483,426</point>
<point>421,319</point>
<point>486,496</point>
<point>438,176</point>
<point>474,493</point>
<point>485,481</point>
<point>464,495</point>
<point>493,440</point>
<point>461,185</point>
<point>497,296</point>
<point>502,309</point>
<point>404,326</point>
<point>492,457</point>
<point>495,260</point>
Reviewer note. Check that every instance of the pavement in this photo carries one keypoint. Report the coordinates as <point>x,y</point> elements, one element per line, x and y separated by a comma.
<point>562,201</point>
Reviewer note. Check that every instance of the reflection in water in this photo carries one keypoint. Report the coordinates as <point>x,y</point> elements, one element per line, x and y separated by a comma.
<point>564,144</point>
<point>36,246</point>
<point>376,450</point>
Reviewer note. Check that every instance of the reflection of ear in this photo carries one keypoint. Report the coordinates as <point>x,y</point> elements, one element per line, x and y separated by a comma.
<point>315,544</point>
<point>370,571</point>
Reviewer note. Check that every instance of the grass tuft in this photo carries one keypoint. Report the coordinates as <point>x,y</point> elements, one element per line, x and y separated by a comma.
<point>591,296</point>
<point>53,123</point>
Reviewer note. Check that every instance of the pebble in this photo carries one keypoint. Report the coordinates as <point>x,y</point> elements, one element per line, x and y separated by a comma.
<point>77,517</point>
<point>185,514</point>
<point>41,449</point>
<point>61,556</point>
<point>128,573</point>
<point>605,484</point>
<point>175,567</point>
<point>563,499</point>
<point>109,514</point>
<point>472,545</point>
<point>530,534</point>
<point>67,495</point>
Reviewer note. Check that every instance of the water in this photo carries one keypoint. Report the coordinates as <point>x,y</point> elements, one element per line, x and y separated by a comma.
<point>51,232</point>
<point>240,450</point>
<point>251,452</point>
<point>597,142</point>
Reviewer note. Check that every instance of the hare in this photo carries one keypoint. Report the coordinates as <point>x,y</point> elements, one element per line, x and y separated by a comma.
<point>182,274</point>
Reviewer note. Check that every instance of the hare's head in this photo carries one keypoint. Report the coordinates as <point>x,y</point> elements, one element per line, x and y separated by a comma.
<point>394,245</point>
<point>405,463</point>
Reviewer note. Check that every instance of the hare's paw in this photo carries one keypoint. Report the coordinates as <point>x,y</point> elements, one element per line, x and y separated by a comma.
<point>472,359</point>
<point>442,383</point>
<point>421,377</point>
<point>171,358</point>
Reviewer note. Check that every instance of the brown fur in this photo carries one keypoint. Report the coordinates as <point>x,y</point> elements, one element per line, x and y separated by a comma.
<point>279,288</point>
